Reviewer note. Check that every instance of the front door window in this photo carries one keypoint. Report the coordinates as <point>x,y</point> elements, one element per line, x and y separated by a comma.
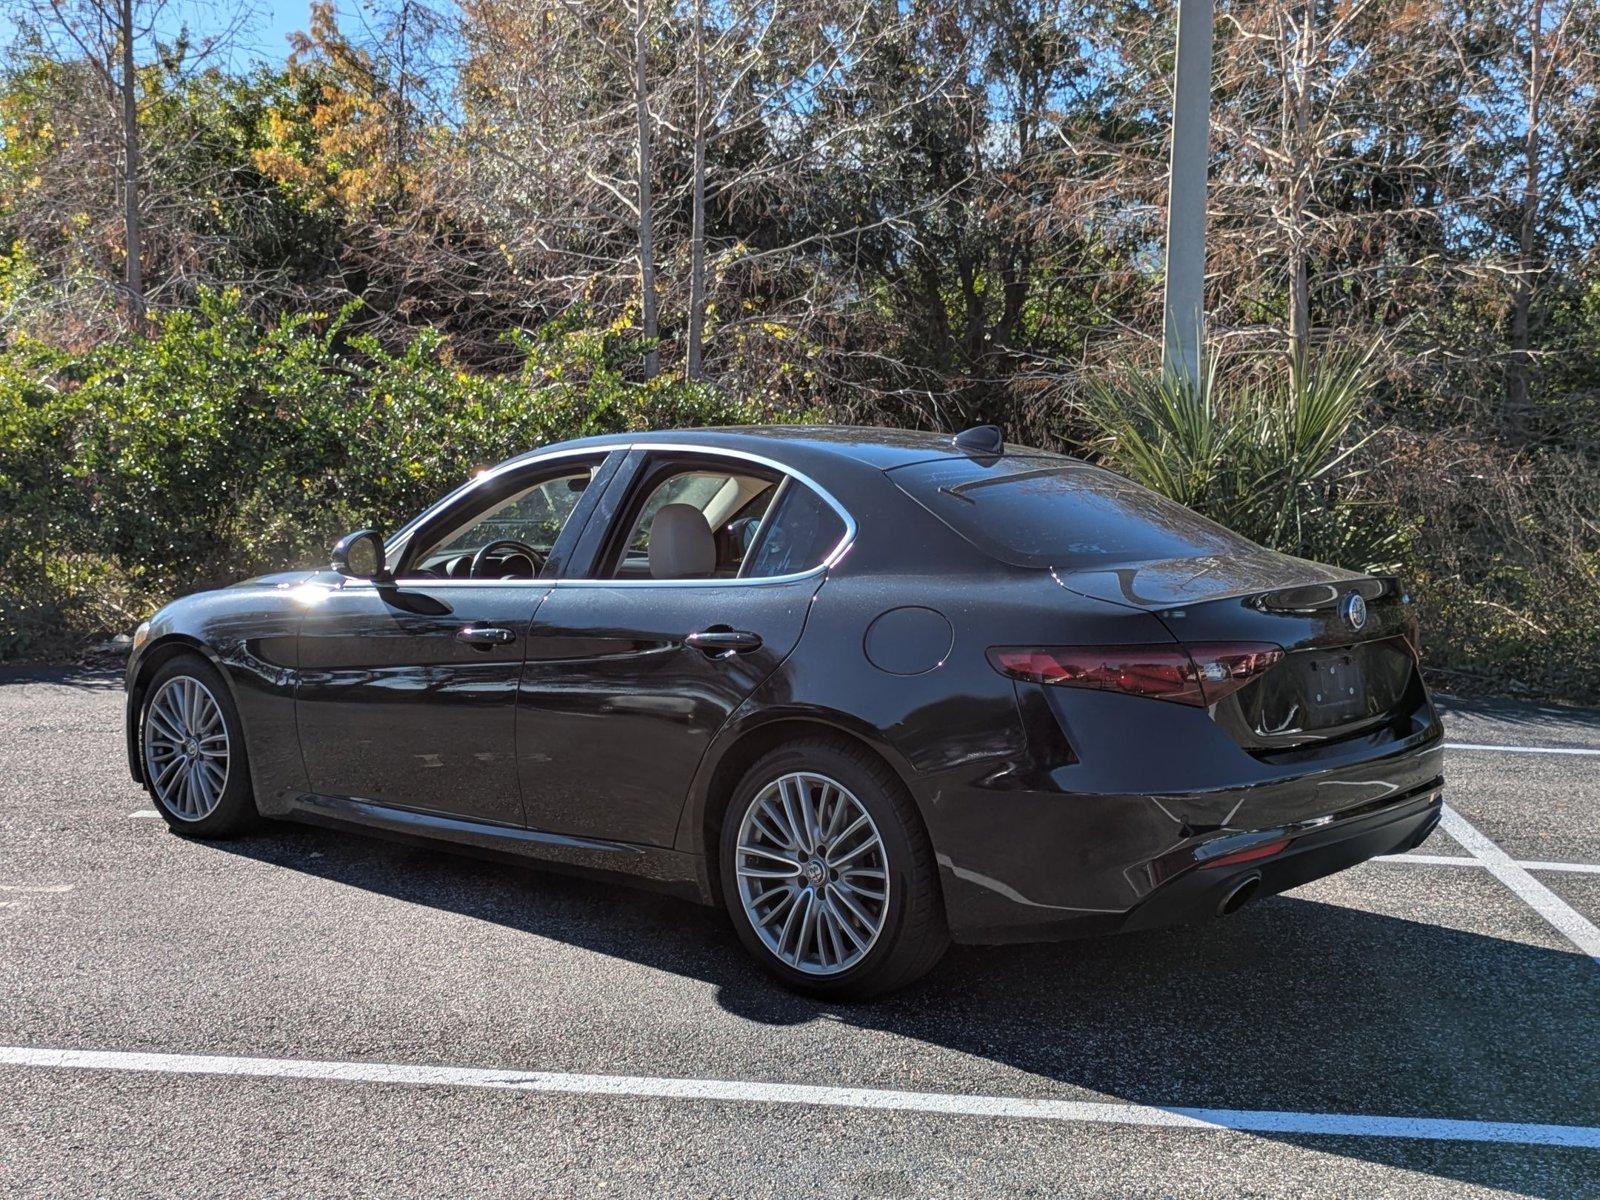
<point>508,532</point>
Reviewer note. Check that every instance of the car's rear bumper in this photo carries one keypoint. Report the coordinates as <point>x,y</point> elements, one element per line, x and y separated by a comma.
<point>1193,888</point>
<point>1195,880</point>
<point>1128,833</point>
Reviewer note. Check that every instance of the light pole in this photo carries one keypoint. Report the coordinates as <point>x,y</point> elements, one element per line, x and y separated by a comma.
<point>1183,316</point>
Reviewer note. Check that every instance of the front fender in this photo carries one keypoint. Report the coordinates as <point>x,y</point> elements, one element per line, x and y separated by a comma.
<point>250,634</point>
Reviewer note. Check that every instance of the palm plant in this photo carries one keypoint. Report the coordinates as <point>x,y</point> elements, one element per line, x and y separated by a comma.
<point>1273,454</point>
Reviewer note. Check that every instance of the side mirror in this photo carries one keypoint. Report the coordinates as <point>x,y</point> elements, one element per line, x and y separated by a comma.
<point>360,555</point>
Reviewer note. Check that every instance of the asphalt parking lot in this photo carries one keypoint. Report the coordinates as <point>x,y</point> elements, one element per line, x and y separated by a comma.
<point>313,1014</point>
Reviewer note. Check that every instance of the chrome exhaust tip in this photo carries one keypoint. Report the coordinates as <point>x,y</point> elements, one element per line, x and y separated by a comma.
<point>1238,895</point>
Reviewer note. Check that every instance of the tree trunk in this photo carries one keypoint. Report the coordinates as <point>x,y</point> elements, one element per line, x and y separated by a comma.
<point>647,249</point>
<point>697,232</point>
<point>1519,366</point>
<point>133,234</point>
<point>1299,84</point>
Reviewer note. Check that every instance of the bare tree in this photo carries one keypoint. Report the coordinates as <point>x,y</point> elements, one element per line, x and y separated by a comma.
<point>1534,81</point>
<point>645,204</point>
<point>697,235</point>
<point>114,38</point>
<point>1533,161</point>
<point>658,153</point>
<point>1340,143</point>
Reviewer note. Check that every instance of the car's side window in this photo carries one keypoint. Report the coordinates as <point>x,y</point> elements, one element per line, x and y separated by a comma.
<point>800,532</point>
<point>694,522</point>
<point>516,523</point>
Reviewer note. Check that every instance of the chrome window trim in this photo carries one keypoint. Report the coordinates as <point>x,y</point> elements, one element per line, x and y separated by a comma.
<point>830,560</point>
<point>418,581</point>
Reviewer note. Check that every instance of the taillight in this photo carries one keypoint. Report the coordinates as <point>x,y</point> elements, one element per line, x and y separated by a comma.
<point>1200,674</point>
<point>1225,667</point>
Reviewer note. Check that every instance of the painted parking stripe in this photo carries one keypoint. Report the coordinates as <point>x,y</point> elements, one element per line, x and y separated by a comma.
<point>1572,925</point>
<point>1577,868</point>
<point>1522,749</point>
<point>1456,860</point>
<point>880,1099</point>
<point>1432,860</point>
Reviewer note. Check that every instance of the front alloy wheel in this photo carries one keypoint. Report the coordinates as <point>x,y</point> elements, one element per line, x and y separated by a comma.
<point>186,748</point>
<point>192,750</point>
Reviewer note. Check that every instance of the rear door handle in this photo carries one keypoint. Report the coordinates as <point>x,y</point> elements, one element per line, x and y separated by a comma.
<point>485,636</point>
<point>720,640</point>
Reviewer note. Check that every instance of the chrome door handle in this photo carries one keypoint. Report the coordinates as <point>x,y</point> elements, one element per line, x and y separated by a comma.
<point>485,636</point>
<point>720,641</point>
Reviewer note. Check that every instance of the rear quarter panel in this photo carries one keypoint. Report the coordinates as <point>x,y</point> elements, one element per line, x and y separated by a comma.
<point>946,721</point>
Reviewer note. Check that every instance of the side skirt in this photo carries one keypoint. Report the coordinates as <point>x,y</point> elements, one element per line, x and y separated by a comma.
<point>654,867</point>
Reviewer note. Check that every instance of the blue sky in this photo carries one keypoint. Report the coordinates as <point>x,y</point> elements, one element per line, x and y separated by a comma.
<point>264,39</point>
<point>278,18</point>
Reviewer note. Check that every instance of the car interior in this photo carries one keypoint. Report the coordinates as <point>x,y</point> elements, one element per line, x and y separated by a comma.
<point>696,523</point>
<point>509,541</point>
<point>693,522</point>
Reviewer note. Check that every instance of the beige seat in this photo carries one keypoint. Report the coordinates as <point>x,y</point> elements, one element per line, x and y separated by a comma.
<point>682,545</point>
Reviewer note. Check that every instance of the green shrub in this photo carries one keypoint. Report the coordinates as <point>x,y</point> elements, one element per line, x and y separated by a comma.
<point>40,510</point>
<point>216,448</point>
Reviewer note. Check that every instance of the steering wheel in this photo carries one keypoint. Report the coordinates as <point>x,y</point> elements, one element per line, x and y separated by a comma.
<point>485,552</point>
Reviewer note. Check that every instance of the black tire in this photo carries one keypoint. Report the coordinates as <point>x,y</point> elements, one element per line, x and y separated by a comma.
<point>914,933</point>
<point>235,810</point>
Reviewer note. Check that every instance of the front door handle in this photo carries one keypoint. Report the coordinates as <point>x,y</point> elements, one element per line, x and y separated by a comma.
<point>720,641</point>
<point>483,636</point>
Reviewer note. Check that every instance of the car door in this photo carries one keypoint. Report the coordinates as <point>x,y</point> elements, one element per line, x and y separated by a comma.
<point>633,668</point>
<point>407,688</point>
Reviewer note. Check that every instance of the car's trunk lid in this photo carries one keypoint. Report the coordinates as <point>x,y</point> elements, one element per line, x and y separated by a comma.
<point>1348,663</point>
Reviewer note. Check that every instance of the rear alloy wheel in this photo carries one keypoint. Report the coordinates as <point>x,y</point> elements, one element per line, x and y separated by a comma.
<point>193,752</point>
<point>812,874</point>
<point>828,873</point>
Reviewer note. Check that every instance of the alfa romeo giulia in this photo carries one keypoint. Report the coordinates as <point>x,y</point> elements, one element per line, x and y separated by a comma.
<point>871,691</point>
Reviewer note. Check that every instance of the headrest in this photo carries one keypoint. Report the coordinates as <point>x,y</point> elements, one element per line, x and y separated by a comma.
<point>681,543</point>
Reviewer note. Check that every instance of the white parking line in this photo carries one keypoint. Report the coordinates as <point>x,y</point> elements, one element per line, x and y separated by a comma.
<point>1577,868</point>
<point>1454,860</point>
<point>1520,749</point>
<point>1568,921</point>
<point>1431,860</point>
<point>880,1099</point>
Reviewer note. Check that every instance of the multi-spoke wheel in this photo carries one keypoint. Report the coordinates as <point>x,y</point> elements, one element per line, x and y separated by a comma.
<point>186,748</point>
<point>192,751</point>
<point>812,874</point>
<point>828,873</point>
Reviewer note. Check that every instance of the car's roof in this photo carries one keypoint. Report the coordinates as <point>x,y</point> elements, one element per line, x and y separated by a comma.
<point>881,448</point>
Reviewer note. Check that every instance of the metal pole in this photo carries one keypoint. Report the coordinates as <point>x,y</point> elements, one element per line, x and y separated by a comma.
<point>1183,318</point>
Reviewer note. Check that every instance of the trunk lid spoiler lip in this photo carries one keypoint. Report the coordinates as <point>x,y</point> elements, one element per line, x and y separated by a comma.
<point>1269,583</point>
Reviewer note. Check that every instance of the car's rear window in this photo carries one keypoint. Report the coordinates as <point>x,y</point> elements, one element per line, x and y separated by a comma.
<point>1058,512</point>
